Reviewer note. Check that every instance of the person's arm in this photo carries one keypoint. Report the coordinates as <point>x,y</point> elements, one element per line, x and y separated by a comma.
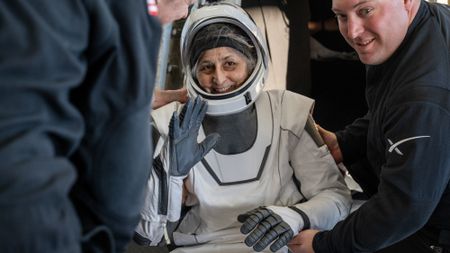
<point>330,139</point>
<point>163,97</point>
<point>412,181</point>
<point>326,198</point>
<point>353,140</point>
<point>321,183</point>
<point>171,10</point>
<point>171,165</point>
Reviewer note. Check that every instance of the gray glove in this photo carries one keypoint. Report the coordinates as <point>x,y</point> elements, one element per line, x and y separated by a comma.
<point>184,150</point>
<point>268,228</point>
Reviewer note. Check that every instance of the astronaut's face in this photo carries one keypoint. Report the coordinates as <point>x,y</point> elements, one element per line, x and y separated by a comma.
<point>221,70</point>
<point>374,28</point>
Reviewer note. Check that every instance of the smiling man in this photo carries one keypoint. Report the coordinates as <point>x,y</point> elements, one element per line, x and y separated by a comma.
<point>404,138</point>
<point>375,29</point>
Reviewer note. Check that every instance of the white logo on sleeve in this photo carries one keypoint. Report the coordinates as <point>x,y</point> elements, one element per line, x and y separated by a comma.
<point>394,145</point>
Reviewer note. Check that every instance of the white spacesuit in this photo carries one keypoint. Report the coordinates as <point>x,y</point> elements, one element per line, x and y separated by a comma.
<point>269,155</point>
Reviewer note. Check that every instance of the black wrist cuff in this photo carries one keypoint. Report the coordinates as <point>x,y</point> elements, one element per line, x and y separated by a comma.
<point>306,222</point>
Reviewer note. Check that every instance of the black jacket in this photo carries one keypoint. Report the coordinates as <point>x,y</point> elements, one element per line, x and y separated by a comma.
<point>405,136</point>
<point>76,79</point>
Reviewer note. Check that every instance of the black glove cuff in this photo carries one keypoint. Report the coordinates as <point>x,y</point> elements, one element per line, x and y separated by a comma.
<point>306,222</point>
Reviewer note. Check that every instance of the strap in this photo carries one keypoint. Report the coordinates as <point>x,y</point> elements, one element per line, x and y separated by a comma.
<point>158,168</point>
<point>306,221</point>
<point>311,129</point>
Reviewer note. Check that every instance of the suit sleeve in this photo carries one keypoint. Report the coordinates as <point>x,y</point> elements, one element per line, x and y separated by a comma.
<point>322,185</point>
<point>164,192</point>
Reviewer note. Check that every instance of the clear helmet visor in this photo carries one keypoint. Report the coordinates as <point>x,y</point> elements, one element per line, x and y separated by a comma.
<point>241,98</point>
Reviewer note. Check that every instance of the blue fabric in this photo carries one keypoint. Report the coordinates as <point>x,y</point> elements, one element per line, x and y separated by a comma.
<point>76,79</point>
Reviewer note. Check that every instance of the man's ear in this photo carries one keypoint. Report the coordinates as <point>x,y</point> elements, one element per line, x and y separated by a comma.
<point>408,5</point>
<point>411,6</point>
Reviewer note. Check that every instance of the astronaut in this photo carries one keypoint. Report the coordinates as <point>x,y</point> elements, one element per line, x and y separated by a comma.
<point>269,175</point>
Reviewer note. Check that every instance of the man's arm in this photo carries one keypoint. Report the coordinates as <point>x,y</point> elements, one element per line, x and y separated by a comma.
<point>412,181</point>
<point>163,97</point>
<point>353,140</point>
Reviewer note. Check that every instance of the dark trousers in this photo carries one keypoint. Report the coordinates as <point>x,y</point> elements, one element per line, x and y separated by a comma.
<point>425,240</point>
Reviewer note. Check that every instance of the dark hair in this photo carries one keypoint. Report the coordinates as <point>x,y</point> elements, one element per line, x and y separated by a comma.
<point>222,35</point>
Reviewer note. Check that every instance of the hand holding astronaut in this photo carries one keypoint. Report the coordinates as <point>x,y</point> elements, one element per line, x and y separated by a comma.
<point>331,141</point>
<point>302,243</point>
<point>183,131</point>
<point>265,226</point>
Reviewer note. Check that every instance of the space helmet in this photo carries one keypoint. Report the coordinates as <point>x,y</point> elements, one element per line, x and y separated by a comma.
<point>244,96</point>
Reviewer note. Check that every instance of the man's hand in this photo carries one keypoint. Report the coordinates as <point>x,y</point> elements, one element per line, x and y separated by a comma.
<point>266,228</point>
<point>330,140</point>
<point>172,10</point>
<point>184,150</point>
<point>163,97</point>
<point>302,243</point>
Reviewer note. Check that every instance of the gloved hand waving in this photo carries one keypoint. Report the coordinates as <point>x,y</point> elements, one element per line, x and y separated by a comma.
<point>184,149</point>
